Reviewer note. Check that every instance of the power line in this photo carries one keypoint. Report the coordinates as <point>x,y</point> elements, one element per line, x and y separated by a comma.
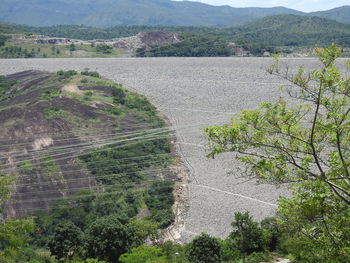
<point>107,162</point>
<point>82,204</point>
<point>141,132</point>
<point>96,143</point>
<point>84,130</point>
<point>123,134</point>
<point>137,140</point>
<point>104,168</point>
<point>151,137</point>
<point>79,188</point>
<point>95,177</point>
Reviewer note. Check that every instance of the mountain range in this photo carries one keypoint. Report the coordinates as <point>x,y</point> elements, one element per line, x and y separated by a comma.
<point>106,13</point>
<point>291,30</point>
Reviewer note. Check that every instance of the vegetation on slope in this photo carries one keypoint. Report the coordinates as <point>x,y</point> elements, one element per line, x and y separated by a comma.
<point>127,12</point>
<point>303,144</point>
<point>311,226</point>
<point>125,173</point>
<point>275,34</point>
<point>190,46</point>
<point>292,30</point>
<point>280,30</point>
<point>340,14</point>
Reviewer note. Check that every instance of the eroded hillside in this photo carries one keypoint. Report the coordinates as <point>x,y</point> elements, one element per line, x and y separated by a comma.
<point>87,140</point>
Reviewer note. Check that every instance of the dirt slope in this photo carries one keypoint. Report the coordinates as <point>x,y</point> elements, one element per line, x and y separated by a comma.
<point>46,121</point>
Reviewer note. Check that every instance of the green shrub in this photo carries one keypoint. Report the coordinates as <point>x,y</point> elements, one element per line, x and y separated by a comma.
<point>258,257</point>
<point>160,200</point>
<point>3,40</point>
<point>26,165</point>
<point>50,94</point>
<point>118,95</point>
<point>88,95</point>
<point>141,103</point>
<point>105,49</point>
<point>205,249</point>
<point>66,74</point>
<point>116,111</point>
<point>91,74</point>
<point>5,87</point>
<point>144,254</point>
<point>52,113</point>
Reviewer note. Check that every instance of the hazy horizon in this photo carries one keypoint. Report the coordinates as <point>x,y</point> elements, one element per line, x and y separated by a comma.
<point>300,5</point>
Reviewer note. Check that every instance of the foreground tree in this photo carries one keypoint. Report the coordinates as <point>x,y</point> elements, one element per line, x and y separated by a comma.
<point>13,233</point>
<point>144,254</point>
<point>247,235</point>
<point>205,249</point>
<point>304,143</point>
<point>66,241</point>
<point>107,238</point>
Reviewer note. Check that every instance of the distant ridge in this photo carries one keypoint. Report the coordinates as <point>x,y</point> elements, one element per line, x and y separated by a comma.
<point>340,14</point>
<point>293,30</point>
<point>106,13</point>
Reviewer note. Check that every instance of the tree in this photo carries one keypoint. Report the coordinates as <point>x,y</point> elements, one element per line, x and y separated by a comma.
<point>306,144</point>
<point>72,47</point>
<point>4,185</point>
<point>273,232</point>
<point>205,249</point>
<point>107,238</point>
<point>13,233</point>
<point>66,241</point>
<point>118,95</point>
<point>144,254</point>
<point>247,236</point>
<point>144,231</point>
<point>3,40</point>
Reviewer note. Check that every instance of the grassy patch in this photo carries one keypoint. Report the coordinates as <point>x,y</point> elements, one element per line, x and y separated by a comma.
<point>113,111</point>
<point>25,165</point>
<point>50,94</point>
<point>91,74</point>
<point>49,166</point>
<point>95,120</point>
<point>52,113</point>
<point>88,96</point>
<point>5,87</point>
<point>31,49</point>
<point>66,74</point>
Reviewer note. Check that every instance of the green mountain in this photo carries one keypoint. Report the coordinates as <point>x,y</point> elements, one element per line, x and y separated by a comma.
<point>105,13</point>
<point>280,30</point>
<point>340,14</point>
<point>292,30</point>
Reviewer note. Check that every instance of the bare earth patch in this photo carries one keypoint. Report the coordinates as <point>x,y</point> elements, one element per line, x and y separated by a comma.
<point>72,89</point>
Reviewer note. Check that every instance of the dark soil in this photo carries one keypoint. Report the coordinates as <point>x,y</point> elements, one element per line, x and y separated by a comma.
<point>23,124</point>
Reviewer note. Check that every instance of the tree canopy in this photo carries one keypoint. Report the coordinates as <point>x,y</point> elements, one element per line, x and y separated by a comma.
<point>107,238</point>
<point>303,142</point>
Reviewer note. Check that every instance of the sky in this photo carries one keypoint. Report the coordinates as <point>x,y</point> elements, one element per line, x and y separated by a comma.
<point>301,5</point>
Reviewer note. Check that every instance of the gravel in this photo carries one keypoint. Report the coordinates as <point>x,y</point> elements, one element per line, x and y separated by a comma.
<point>196,93</point>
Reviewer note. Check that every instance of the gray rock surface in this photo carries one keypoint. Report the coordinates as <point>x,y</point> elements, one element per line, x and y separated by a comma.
<point>195,93</point>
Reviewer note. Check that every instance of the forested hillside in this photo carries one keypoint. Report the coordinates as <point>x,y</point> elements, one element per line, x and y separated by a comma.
<point>127,12</point>
<point>291,30</point>
<point>340,14</point>
<point>274,34</point>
